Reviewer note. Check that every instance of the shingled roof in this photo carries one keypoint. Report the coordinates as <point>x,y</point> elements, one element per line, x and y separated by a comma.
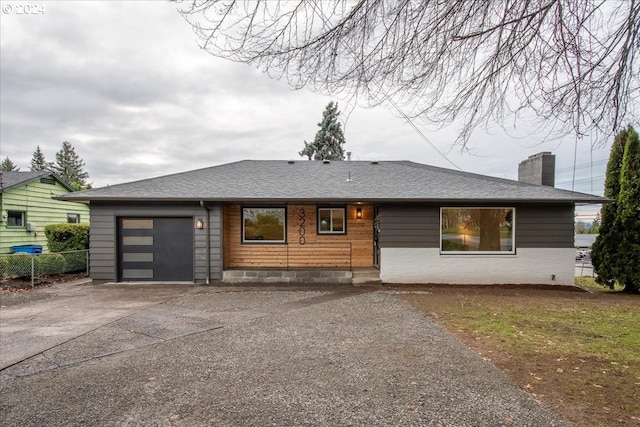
<point>321,181</point>
<point>14,179</point>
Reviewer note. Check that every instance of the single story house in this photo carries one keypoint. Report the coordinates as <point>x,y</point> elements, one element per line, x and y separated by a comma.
<point>28,204</point>
<point>329,220</point>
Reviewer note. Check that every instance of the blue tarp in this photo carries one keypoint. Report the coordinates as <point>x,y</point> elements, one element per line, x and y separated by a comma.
<point>29,249</point>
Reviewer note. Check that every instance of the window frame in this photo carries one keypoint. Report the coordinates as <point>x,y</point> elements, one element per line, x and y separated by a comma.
<point>77,215</point>
<point>23,219</point>
<point>246,241</point>
<point>478,252</point>
<point>332,232</point>
<point>49,180</point>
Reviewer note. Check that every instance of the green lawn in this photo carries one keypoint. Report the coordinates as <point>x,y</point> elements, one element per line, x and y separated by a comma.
<point>577,352</point>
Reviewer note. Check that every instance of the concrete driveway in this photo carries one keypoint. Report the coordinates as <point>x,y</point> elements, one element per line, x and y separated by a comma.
<point>195,355</point>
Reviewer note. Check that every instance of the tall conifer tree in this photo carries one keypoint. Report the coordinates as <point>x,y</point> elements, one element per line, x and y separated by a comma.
<point>329,140</point>
<point>616,252</point>
<point>8,166</point>
<point>628,215</point>
<point>70,167</point>
<point>38,162</point>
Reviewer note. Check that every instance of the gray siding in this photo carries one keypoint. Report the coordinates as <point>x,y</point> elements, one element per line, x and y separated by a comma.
<point>103,240</point>
<point>544,226</point>
<point>537,226</point>
<point>409,227</point>
<point>215,246</point>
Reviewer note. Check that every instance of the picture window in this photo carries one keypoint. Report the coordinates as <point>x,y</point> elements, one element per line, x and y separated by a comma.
<point>264,225</point>
<point>477,231</point>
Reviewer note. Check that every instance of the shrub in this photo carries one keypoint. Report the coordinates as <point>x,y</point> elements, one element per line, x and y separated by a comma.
<point>50,264</point>
<point>4,267</point>
<point>67,237</point>
<point>18,265</point>
<point>75,261</point>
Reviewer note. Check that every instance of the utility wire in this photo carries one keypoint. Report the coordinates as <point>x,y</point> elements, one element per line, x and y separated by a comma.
<point>388,98</point>
<point>566,181</point>
<point>583,166</point>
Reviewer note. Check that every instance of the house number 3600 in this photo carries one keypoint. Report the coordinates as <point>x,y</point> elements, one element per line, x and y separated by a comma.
<point>301,230</point>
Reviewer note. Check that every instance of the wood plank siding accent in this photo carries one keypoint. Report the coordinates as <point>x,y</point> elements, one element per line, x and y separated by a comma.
<point>537,226</point>
<point>35,200</point>
<point>103,242</point>
<point>304,247</point>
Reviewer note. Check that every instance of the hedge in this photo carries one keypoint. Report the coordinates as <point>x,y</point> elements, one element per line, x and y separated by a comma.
<point>50,264</point>
<point>18,265</point>
<point>75,261</point>
<point>4,267</point>
<point>67,237</point>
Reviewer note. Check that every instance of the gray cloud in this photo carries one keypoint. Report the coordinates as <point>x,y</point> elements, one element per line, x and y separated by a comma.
<point>127,85</point>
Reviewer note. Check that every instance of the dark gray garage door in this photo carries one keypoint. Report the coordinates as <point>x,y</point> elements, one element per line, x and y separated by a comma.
<point>155,249</point>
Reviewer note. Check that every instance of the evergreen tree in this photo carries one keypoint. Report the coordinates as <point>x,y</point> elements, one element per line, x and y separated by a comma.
<point>595,225</point>
<point>329,140</point>
<point>8,166</point>
<point>628,215</point>
<point>605,249</point>
<point>618,242</point>
<point>38,162</point>
<point>70,167</point>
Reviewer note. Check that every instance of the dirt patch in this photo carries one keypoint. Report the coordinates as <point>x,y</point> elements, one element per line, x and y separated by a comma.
<point>17,291</point>
<point>22,284</point>
<point>557,344</point>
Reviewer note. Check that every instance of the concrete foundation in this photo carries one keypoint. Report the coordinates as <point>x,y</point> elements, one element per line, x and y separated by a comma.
<point>287,276</point>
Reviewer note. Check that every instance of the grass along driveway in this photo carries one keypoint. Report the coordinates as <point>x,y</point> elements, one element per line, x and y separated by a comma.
<point>576,352</point>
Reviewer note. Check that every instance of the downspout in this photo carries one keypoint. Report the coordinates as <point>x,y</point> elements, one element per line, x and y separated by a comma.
<point>208,231</point>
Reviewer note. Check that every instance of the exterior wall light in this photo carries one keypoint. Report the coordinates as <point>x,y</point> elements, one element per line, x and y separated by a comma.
<point>199,224</point>
<point>359,213</point>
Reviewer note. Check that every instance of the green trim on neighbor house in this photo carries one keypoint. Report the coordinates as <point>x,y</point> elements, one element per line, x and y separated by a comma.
<point>35,199</point>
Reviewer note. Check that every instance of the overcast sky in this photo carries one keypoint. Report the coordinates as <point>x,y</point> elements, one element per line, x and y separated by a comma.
<point>128,86</point>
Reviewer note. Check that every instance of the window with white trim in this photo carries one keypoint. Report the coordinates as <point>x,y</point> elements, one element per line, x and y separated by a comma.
<point>332,221</point>
<point>264,225</point>
<point>15,219</point>
<point>73,218</point>
<point>467,230</point>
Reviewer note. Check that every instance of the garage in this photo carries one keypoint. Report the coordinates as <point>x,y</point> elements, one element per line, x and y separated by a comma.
<point>155,249</point>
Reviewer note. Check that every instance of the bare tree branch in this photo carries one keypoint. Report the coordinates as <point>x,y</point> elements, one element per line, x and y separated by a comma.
<point>571,64</point>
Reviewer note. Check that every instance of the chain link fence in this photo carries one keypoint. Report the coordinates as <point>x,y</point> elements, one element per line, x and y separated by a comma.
<point>31,266</point>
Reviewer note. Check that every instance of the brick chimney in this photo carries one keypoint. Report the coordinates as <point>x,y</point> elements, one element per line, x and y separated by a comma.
<point>538,169</point>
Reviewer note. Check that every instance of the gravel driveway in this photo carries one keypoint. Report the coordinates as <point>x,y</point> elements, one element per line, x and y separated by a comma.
<point>194,355</point>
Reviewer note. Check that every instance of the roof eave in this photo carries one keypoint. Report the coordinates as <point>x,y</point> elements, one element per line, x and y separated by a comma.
<point>37,177</point>
<point>582,200</point>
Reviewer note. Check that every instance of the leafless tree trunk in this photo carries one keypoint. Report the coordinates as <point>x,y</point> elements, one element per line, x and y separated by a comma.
<point>489,223</point>
<point>570,64</point>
